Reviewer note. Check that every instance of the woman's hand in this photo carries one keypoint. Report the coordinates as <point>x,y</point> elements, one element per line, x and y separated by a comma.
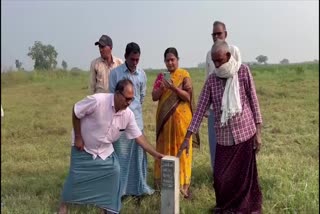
<point>168,84</point>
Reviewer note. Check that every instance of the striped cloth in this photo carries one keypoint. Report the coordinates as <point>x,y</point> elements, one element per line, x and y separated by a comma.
<point>212,137</point>
<point>241,127</point>
<point>133,167</point>
<point>93,181</point>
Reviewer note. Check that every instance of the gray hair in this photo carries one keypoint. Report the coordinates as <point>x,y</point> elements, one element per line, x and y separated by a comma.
<point>122,84</point>
<point>220,45</point>
<point>216,23</point>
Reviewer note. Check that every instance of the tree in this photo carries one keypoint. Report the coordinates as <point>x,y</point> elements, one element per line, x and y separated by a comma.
<point>44,55</point>
<point>75,69</point>
<point>18,64</point>
<point>262,59</point>
<point>64,65</point>
<point>284,61</point>
<point>201,65</point>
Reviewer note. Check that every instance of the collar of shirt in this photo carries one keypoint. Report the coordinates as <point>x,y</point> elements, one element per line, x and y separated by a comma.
<point>128,70</point>
<point>112,61</point>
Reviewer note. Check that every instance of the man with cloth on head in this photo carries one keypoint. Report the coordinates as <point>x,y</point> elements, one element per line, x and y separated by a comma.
<point>232,93</point>
<point>219,31</point>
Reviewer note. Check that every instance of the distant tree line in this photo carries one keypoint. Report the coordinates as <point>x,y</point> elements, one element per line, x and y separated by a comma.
<point>202,65</point>
<point>284,61</point>
<point>261,59</point>
<point>19,65</point>
<point>44,56</point>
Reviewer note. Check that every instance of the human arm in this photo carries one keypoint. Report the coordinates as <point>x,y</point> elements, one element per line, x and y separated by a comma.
<point>78,141</point>
<point>80,110</point>
<point>142,141</point>
<point>112,80</point>
<point>258,141</point>
<point>185,145</point>
<point>158,88</point>
<point>205,99</point>
<point>132,131</point>
<point>93,78</point>
<point>207,66</point>
<point>143,87</point>
<point>184,94</point>
<point>255,108</point>
<point>157,93</point>
<point>2,112</point>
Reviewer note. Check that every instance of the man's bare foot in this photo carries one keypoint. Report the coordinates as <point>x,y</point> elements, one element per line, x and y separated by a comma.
<point>63,209</point>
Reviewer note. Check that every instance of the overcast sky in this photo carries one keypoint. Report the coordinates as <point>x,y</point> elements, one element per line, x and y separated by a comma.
<point>277,29</point>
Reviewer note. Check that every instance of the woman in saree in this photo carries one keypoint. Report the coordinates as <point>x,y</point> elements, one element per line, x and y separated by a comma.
<point>174,113</point>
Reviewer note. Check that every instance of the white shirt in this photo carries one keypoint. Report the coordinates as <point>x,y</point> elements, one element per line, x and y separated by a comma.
<point>210,68</point>
<point>101,125</point>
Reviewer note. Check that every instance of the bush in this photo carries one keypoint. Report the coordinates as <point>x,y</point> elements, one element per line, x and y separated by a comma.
<point>299,70</point>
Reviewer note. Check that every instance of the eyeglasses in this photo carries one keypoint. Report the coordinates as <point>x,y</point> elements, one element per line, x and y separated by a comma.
<point>217,34</point>
<point>128,99</point>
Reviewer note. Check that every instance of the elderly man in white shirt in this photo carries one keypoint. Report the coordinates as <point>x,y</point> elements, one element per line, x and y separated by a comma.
<point>98,121</point>
<point>219,32</point>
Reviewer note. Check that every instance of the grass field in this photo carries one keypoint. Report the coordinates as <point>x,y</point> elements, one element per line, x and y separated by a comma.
<point>35,141</point>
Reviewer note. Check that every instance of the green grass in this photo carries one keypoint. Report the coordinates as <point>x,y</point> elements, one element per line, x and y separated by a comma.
<point>35,141</point>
